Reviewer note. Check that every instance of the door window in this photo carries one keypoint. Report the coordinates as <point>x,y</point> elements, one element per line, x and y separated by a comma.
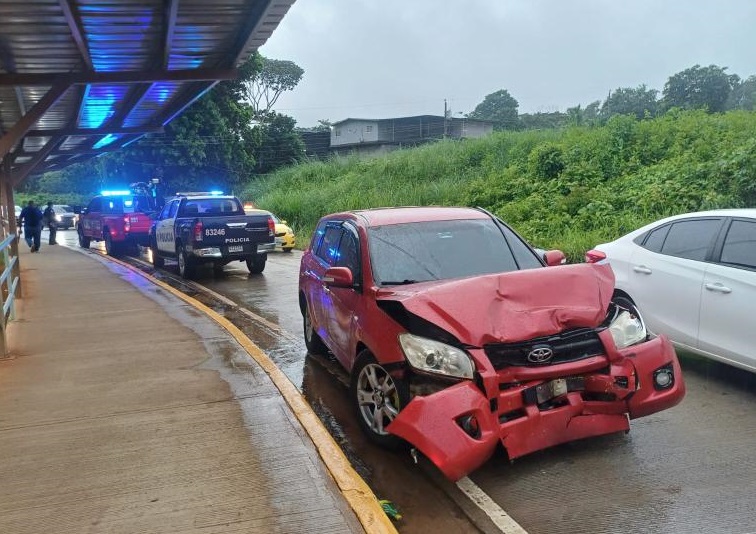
<point>691,239</point>
<point>349,253</point>
<point>173,208</point>
<point>328,250</point>
<point>95,205</point>
<point>655,240</point>
<point>740,245</point>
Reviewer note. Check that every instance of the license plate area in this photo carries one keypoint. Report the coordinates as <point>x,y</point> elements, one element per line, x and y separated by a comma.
<point>552,389</point>
<point>235,248</point>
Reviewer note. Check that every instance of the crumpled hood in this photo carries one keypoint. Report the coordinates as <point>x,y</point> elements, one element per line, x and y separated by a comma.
<point>514,306</point>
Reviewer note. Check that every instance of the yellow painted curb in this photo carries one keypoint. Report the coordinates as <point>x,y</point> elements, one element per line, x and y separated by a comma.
<point>358,494</point>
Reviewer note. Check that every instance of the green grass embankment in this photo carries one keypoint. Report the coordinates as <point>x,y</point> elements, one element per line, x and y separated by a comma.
<point>568,189</point>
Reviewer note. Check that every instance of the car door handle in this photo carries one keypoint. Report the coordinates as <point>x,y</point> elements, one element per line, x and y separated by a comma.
<point>718,287</point>
<point>642,269</point>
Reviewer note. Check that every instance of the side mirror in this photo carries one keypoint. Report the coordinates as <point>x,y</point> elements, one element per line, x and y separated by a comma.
<point>338,277</point>
<point>554,257</point>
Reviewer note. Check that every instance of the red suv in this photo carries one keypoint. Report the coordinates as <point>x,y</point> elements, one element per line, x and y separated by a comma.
<point>459,338</point>
<point>119,218</point>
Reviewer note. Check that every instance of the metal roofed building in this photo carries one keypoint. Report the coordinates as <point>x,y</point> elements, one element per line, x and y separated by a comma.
<point>376,136</point>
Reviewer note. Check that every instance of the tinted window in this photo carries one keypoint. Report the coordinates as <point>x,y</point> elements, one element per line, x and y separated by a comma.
<point>655,239</point>
<point>210,207</point>
<point>740,245</point>
<point>523,254</point>
<point>95,205</point>
<point>438,250</point>
<point>329,247</point>
<point>691,239</point>
<point>317,236</point>
<point>349,252</point>
<point>126,204</point>
<point>173,208</point>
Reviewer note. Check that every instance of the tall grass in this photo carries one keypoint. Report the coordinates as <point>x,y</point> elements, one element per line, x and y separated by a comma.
<point>567,189</point>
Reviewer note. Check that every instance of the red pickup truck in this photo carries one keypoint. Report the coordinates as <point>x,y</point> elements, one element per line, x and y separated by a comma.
<point>119,218</point>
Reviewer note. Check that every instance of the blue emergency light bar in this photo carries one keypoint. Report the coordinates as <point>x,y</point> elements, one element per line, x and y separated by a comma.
<point>115,193</point>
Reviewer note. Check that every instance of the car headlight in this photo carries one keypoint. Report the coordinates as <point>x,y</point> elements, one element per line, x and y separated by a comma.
<point>58,218</point>
<point>435,357</point>
<point>628,329</point>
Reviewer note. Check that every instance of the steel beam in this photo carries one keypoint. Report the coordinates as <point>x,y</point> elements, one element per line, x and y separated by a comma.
<point>74,23</point>
<point>18,130</point>
<point>85,132</point>
<point>145,76</point>
<point>22,172</point>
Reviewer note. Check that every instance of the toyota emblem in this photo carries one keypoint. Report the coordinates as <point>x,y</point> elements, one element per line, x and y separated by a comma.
<point>540,354</point>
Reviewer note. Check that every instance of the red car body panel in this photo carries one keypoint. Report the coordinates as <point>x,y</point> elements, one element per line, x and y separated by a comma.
<point>604,389</point>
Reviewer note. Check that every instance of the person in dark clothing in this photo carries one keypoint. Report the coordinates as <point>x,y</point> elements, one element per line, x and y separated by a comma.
<point>48,218</point>
<point>31,218</point>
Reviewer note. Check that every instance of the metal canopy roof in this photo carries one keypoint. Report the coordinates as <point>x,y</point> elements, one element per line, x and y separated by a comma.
<point>82,77</point>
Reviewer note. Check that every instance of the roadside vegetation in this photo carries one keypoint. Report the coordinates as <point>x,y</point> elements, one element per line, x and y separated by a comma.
<point>568,188</point>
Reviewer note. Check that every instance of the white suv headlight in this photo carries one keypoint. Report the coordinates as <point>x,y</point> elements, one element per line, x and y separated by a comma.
<point>628,329</point>
<point>435,357</point>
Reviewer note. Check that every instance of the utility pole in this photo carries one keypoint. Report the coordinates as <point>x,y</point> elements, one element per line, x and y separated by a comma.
<point>446,129</point>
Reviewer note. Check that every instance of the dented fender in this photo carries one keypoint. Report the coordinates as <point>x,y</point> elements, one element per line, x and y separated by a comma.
<point>430,424</point>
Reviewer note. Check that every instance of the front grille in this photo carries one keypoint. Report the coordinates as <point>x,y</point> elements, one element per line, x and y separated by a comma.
<point>569,346</point>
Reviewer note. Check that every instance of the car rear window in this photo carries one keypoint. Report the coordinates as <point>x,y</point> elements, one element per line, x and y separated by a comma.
<point>126,204</point>
<point>210,206</point>
<point>440,250</point>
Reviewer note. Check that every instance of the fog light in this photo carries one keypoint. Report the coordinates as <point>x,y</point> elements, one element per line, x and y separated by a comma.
<point>470,425</point>
<point>664,378</point>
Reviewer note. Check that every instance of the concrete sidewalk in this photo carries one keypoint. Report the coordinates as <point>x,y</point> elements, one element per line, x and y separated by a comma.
<point>123,409</point>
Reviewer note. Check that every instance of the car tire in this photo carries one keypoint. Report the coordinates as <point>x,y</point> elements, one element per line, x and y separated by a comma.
<point>313,342</point>
<point>83,241</point>
<point>626,302</point>
<point>378,398</point>
<point>157,261</point>
<point>185,263</point>
<point>111,249</point>
<point>256,264</point>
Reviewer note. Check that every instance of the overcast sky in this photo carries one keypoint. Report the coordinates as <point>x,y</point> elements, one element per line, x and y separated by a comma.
<point>392,58</point>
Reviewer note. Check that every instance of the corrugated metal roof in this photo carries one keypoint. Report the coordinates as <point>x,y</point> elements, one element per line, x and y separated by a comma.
<point>90,75</point>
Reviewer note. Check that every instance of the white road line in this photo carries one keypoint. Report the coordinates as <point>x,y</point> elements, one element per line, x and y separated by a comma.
<point>500,518</point>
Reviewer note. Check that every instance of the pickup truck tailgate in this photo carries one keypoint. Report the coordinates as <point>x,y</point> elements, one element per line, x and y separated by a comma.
<point>238,234</point>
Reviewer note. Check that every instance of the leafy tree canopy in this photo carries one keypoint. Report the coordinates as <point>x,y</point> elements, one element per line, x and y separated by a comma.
<point>500,108</point>
<point>268,83</point>
<point>639,101</point>
<point>700,87</point>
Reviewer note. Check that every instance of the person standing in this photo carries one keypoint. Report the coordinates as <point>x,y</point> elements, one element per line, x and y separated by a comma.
<point>31,217</point>
<point>48,218</point>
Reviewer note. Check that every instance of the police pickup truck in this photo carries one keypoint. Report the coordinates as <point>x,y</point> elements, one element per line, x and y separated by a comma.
<point>196,228</point>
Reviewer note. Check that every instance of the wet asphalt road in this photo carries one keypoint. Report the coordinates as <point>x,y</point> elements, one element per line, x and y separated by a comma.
<point>691,469</point>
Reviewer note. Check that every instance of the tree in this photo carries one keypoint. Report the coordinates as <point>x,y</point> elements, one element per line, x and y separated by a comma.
<point>263,89</point>
<point>700,87</point>
<point>500,108</point>
<point>278,143</point>
<point>542,120</point>
<point>639,101</point>
<point>743,95</point>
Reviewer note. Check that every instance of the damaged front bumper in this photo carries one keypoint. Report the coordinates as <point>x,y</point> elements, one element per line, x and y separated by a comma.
<point>529,409</point>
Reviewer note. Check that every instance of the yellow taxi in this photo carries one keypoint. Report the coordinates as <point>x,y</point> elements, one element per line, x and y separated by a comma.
<point>284,233</point>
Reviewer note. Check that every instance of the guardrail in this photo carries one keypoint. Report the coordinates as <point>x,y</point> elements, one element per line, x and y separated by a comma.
<point>8,284</point>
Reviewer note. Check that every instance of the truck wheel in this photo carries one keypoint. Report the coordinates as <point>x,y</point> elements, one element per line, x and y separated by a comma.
<point>256,263</point>
<point>83,241</point>
<point>157,261</point>
<point>185,264</point>
<point>111,249</point>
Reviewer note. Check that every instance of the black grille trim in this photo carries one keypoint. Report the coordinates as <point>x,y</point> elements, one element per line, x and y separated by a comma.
<point>569,346</point>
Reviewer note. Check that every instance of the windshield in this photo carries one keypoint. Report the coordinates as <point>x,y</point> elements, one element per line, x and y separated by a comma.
<point>60,208</point>
<point>440,250</point>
